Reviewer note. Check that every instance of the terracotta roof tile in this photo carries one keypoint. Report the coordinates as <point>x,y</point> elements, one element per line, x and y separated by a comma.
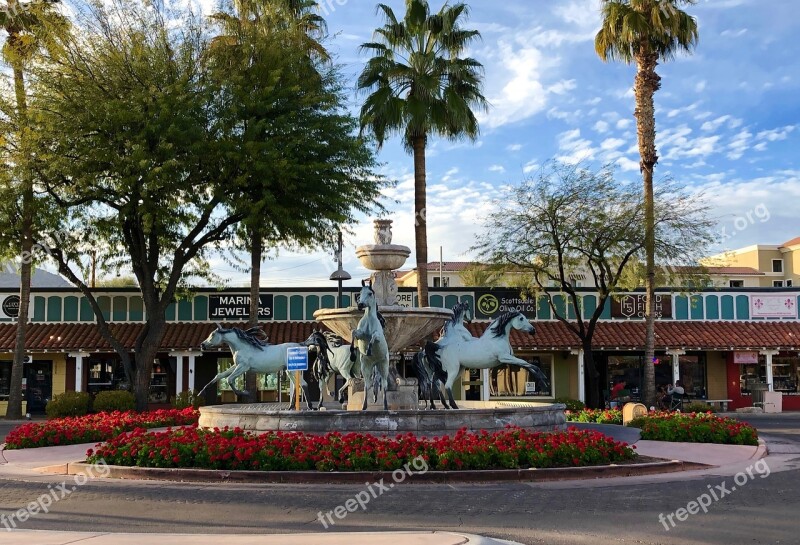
<point>549,335</point>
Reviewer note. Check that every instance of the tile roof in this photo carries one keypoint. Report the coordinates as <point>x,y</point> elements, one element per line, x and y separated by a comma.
<point>738,271</point>
<point>550,335</point>
<point>794,242</point>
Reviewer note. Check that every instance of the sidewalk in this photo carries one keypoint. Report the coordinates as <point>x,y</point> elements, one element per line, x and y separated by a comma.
<point>34,537</point>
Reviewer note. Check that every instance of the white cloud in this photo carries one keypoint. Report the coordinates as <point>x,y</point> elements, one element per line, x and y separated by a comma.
<point>530,166</point>
<point>678,143</point>
<point>562,87</point>
<point>773,135</point>
<point>700,86</point>
<point>624,123</point>
<point>514,147</point>
<point>497,168</point>
<point>714,124</point>
<point>730,33</point>
<point>574,148</point>
<point>611,143</point>
<point>601,126</point>
<point>739,144</point>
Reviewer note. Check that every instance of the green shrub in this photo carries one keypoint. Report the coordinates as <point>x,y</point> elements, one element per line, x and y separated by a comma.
<point>68,404</point>
<point>698,407</point>
<point>572,404</point>
<point>188,398</point>
<point>114,400</point>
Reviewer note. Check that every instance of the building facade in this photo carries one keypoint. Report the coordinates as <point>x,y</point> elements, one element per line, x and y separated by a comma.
<point>722,343</point>
<point>777,266</point>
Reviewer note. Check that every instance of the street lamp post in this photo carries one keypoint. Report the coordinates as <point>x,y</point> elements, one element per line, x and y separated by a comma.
<point>340,275</point>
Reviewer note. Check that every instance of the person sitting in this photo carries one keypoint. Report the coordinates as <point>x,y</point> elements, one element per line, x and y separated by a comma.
<point>675,395</point>
<point>662,400</point>
<point>618,392</point>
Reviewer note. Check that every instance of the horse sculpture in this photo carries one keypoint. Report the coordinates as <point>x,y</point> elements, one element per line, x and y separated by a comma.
<point>332,356</point>
<point>490,350</point>
<point>369,344</point>
<point>429,381</point>
<point>251,354</point>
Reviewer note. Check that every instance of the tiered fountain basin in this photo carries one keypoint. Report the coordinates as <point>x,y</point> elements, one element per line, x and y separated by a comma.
<point>264,418</point>
<point>404,326</point>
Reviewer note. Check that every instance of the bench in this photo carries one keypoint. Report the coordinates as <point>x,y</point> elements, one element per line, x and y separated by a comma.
<point>723,403</point>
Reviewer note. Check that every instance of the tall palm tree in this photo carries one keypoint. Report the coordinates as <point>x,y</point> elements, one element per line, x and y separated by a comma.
<point>646,32</point>
<point>421,85</point>
<point>29,27</point>
<point>296,22</point>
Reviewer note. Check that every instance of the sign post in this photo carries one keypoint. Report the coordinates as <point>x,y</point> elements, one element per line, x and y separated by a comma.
<point>297,361</point>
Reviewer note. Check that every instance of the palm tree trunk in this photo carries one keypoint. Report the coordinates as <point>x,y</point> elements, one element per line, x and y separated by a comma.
<point>14,411</point>
<point>257,250</point>
<point>646,83</point>
<point>420,219</point>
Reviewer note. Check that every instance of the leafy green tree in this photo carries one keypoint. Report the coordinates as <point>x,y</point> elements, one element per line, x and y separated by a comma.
<point>646,32</point>
<point>270,55</point>
<point>570,219</point>
<point>29,27</point>
<point>153,142</point>
<point>420,85</point>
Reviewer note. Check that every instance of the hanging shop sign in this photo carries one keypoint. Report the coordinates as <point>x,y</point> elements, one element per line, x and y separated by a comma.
<point>10,306</point>
<point>773,306</point>
<point>491,303</point>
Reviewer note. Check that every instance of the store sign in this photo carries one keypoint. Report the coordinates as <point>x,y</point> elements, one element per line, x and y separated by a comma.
<point>634,305</point>
<point>405,299</point>
<point>237,307</point>
<point>489,304</point>
<point>10,306</point>
<point>745,358</point>
<point>773,306</point>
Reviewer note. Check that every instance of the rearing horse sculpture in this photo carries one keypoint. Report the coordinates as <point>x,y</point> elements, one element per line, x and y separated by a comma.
<point>486,352</point>
<point>370,342</point>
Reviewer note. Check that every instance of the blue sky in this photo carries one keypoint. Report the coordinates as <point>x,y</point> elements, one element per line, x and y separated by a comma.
<point>728,120</point>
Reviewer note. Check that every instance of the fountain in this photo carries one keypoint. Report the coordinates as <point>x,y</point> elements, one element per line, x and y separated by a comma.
<point>404,326</point>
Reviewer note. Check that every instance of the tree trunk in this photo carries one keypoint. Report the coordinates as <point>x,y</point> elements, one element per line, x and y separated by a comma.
<point>145,354</point>
<point>591,378</point>
<point>646,83</point>
<point>257,244</point>
<point>420,218</point>
<point>14,411</point>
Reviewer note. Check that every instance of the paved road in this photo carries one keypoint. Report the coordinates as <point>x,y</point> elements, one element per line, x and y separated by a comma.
<point>762,510</point>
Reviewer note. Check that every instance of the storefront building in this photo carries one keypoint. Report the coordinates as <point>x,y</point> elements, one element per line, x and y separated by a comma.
<point>722,344</point>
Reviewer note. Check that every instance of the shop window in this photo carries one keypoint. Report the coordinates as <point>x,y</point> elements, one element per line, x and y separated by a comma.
<point>751,374</point>
<point>785,373</point>
<point>693,374</point>
<point>513,381</point>
<point>736,283</point>
<point>777,283</point>
<point>5,379</point>
<point>159,384</point>
<point>105,374</point>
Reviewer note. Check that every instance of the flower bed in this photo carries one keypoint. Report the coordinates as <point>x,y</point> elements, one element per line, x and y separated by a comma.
<point>596,416</point>
<point>695,428</point>
<point>289,451</point>
<point>94,427</point>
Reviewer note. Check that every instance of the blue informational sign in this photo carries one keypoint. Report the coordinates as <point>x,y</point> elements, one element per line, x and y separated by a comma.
<point>297,358</point>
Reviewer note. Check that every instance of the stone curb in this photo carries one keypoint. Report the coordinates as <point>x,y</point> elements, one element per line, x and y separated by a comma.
<point>761,451</point>
<point>361,477</point>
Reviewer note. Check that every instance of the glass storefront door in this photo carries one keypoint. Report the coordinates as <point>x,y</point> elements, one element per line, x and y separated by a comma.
<point>37,385</point>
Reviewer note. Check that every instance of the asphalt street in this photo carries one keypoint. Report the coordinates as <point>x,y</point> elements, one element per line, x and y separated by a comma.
<point>762,509</point>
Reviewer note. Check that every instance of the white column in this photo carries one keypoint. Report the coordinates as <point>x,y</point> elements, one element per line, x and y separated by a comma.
<point>676,363</point>
<point>768,356</point>
<point>178,373</point>
<point>581,376</point>
<point>191,370</point>
<point>78,369</point>
<point>485,385</point>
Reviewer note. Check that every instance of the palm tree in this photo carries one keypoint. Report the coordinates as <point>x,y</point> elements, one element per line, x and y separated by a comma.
<point>29,27</point>
<point>646,32</point>
<point>420,85</point>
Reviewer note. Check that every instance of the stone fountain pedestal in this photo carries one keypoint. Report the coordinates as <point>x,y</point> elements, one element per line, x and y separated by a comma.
<point>405,326</point>
<point>404,397</point>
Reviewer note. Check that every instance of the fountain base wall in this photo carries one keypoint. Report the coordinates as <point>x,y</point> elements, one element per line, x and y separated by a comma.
<point>264,418</point>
